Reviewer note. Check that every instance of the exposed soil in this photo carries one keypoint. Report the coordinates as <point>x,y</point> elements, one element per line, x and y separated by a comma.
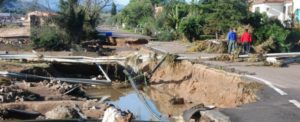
<point>197,84</point>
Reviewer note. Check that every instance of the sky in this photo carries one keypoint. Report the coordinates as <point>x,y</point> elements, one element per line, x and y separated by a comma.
<point>123,2</point>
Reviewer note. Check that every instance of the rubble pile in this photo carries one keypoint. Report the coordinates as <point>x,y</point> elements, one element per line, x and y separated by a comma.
<point>15,94</point>
<point>63,112</point>
<point>64,88</point>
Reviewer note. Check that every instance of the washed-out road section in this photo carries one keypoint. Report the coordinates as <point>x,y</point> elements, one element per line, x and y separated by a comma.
<point>279,101</point>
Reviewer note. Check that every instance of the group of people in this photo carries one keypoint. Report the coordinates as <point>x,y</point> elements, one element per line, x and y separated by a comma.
<point>245,40</point>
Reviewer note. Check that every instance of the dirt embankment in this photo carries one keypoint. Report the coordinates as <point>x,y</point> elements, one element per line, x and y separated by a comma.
<point>197,84</point>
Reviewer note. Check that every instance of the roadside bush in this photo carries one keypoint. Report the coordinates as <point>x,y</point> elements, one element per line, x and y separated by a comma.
<point>294,39</point>
<point>47,38</point>
<point>277,33</point>
<point>166,35</point>
<point>191,27</point>
<point>148,26</point>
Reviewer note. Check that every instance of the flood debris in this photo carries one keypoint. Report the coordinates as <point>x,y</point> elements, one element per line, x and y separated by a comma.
<point>193,114</point>
<point>63,112</point>
<point>209,46</point>
<point>281,61</point>
<point>13,93</point>
<point>112,114</point>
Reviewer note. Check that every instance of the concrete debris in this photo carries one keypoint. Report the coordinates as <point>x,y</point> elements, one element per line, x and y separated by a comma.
<point>281,61</point>
<point>27,84</point>
<point>15,94</point>
<point>92,104</point>
<point>213,116</point>
<point>63,87</point>
<point>62,112</point>
<point>193,114</point>
<point>113,114</point>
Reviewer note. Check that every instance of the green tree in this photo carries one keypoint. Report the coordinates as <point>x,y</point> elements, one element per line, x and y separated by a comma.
<point>223,14</point>
<point>175,10</point>
<point>113,9</point>
<point>136,11</point>
<point>192,27</point>
<point>71,19</point>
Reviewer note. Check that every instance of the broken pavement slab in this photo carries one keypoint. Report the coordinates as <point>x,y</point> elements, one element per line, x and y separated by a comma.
<point>214,116</point>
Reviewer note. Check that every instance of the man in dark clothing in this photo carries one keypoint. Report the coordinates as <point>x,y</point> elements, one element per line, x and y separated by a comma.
<point>246,40</point>
<point>232,37</point>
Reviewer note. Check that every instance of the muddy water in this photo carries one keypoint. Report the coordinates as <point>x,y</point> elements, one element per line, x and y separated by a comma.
<point>127,99</point>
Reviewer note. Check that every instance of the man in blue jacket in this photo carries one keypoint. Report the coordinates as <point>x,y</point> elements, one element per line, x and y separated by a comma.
<point>232,37</point>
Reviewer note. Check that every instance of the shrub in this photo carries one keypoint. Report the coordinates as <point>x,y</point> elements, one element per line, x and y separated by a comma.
<point>166,35</point>
<point>191,27</point>
<point>47,38</point>
<point>277,33</point>
<point>294,39</point>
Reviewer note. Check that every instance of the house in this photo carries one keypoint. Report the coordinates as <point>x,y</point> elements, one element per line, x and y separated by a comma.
<point>37,18</point>
<point>297,10</point>
<point>38,14</point>
<point>283,10</point>
<point>8,18</point>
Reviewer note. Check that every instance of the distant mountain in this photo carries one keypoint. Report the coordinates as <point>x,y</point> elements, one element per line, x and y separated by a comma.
<point>21,6</point>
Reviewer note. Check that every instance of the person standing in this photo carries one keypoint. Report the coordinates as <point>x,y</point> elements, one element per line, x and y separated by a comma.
<point>246,40</point>
<point>232,37</point>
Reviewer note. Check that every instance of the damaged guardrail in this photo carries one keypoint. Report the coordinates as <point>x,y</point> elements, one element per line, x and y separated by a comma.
<point>69,80</point>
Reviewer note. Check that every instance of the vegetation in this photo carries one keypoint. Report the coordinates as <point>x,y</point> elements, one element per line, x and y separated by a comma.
<point>189,20</point>
<point>201,19</point>
<point>73,23</point>
<point>113,9</point>
<point>176,19</point>
<point>48,38</point>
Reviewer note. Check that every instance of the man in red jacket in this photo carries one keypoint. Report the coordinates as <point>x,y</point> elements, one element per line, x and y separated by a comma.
<point>246,40</point>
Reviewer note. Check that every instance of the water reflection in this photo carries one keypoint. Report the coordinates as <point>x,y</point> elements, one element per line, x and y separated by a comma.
<point>132,103</point>
<point>127,99</point>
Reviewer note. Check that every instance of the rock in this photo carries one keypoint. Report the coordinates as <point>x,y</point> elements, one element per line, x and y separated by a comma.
<point>176,101</point>
<point>41,117</point>
<point>59,82</point>
<point>49,85</point>
<point>62,112</point>
<point>53,81</point>
<point>56,87</point>
<point>90,104</point>
<point>2,100</point>
<point>19,98</point>
<point>26,84</point>
<point>61,90</point>
<point>99,77</point>
<point>44,83</point>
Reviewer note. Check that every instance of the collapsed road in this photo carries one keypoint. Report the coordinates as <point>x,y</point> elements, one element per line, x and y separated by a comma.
<point>168,75</point>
